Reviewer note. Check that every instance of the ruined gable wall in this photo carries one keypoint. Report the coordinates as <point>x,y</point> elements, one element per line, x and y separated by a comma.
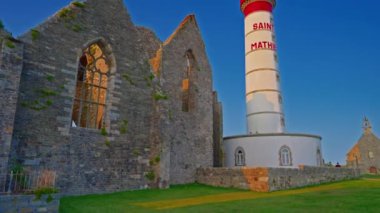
<point>186,136</point>
<point>149,41</point>
<point>84,161</point>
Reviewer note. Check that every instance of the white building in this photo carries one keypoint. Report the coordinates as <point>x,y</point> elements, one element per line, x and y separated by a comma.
<point>266,144</point>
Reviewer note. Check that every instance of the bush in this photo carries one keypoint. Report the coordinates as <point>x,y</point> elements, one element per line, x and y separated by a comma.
<point>1,25</point>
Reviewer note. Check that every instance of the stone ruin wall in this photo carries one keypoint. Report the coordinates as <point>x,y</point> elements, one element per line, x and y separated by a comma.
<point>83,160</point>
<point>188,135</point>
<point>11,56</point>
<point>162,145</point>
<point>28,203</point>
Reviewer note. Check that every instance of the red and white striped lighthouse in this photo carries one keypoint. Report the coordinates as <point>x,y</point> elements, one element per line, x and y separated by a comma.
<point>263,95</point>
<point>266,144</point>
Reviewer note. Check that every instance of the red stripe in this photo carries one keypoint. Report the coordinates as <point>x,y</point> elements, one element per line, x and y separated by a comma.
<point>258,6</point>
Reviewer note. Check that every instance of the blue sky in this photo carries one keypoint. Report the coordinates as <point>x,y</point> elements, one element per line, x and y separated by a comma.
<point>328,54</point>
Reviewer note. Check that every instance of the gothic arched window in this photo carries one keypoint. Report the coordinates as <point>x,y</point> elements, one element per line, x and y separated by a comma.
<point>91,88</point>
<point>285,156</point>
<point>239,157</point>
<point>186,82</point>
<point>186,96</point>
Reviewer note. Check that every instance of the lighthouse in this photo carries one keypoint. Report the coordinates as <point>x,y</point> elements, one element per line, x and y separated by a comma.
<point>263,94</point>
<point>266,143</point>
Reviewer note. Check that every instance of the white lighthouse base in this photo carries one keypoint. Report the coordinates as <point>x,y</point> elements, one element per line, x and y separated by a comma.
<point>273,150</point>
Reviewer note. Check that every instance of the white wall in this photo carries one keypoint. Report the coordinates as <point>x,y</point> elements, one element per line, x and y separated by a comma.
<point>264,110</point>
<point>263,150</point>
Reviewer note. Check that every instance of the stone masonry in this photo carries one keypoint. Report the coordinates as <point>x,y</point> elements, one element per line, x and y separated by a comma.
<point>29,204</point>
<point>11,56</point>
<point>218,132</point>
<point>148,139</point>
<point>272,179</point>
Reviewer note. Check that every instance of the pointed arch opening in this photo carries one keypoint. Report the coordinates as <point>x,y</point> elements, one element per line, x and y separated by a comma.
<point>91,87</point>
<point>189,86</point>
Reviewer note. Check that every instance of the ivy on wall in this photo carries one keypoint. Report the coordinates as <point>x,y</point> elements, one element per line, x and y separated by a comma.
<point>69,15</point>
<point>44,97</point>
<point>35,34</point>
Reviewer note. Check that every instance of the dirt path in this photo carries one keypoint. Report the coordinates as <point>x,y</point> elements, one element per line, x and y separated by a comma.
<point>226,197</point>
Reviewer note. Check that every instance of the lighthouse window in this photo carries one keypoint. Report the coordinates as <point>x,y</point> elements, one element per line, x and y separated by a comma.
<point>285,156</point>
<point>280,99</point>
<point>278,77</point>
<point>239,157</point>
<point>283,122</point>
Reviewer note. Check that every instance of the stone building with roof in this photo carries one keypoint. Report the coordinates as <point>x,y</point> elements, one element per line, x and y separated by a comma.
<point>106,104</point>
<point>365,155</point>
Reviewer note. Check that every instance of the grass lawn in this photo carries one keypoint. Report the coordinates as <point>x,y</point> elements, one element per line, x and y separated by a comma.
<point>349,196</point>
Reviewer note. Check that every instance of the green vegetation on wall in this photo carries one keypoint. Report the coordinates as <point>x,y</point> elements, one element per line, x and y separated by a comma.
<point>45,191</point>
<point>69,14</point>
<point>154,161</point>
<point>35,34</point>
<point>103,131</point>
<point>128,78</point>
<point>76,28</point>
<point>150,176</point>
<point>10,44</point>
<point>44,97</point>
<point>149,79</point>
<point>66,13</point>
<point>159,95</point>
<point>79,4</point>
<point>124,127</point>
<point>107,143</point>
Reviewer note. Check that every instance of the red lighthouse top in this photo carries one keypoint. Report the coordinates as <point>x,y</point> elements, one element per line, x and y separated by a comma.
<point>250,6</point>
